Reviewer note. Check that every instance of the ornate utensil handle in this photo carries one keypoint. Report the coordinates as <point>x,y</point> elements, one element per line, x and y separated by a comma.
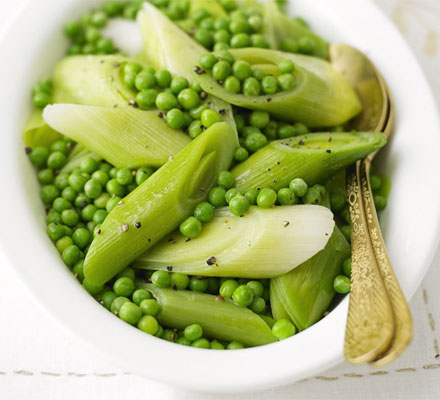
<point>370,323</point>
<point>402,316</point>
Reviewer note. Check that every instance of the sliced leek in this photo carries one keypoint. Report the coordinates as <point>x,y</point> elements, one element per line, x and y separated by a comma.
<point>37,132</point>
<point>314,157</point>
<point>159,205</point>
<point>77,155</point>
<point>263,244</point>
<point>219,318</point>
<point>124,136</point>
<point>91,80</point>
<point>306,292</point>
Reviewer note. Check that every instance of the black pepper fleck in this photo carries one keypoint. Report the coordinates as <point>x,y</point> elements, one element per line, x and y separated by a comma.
<point>137,225</point>
<point>27,150</point>
<point>199,70</point>
<point>301,143</point>
<point>170,268</point>
<point>269,99</point>
<point>211,261</point>
<point>222,111</point>
<point>328,151</point>
<point>187,240</point>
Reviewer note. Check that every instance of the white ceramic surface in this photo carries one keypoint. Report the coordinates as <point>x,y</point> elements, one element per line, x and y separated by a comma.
<point>31,46</point>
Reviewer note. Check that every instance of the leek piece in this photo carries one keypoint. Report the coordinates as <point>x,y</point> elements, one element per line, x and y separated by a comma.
<point>278,310</point>
<point>92,80</point>
<point>158,206</point>
<point>313,157</point>
<point>37,132</point>
<point>169,47</point>
<point>124,136</point>
<point>263,244</point>
<point>278,27</point>
<point>220,319</point>
<point>76,156</point>
<point>306,291</point>
<point>322,96</point>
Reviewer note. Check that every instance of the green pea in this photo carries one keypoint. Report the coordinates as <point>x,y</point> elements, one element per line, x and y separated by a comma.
<point>92,34</point>
<point>283,328</point>
<point>258,305</point>
<point>60,204</point>
<point>63,243</point>
<point>346,267</point>
<point>101,177</point>
<point>298,186</point>
<point>259,41</point>
<point>227,288</point>
<point>143,174</point>
<point>204,212</point>
<point>375,182</point>
<point>196,86</point>
<point>241,70</point>
<point>68,194</point>
<point>178,84</point>
<point>207,60</point>
<point>140,295</point>
<point>99,19</point>
<point>232,84</point>
<point>69,217</point>
<point>306,45</point>
<point>82,237</point>
<point>93,188</point>
<point>124,286</point>
<point>56,160</point>
<point>39,156</point>
<point>77,181</point>
<point>41,99</point>
<point>45,176</point>
<point>61,146</point>
<point>114,187</point>
<point>108,298</point>
<point>286,197</point>
<point>193,332</point>
<point>217,196</point>
<point>207,23</point>
<point>337,201</point>
<point>169,335</point>
<point>231,193</point>
<point>198,284</point>
<point>216,345</point>
<point>147,98</point>
<point>286,81</point>
<point>300,129</point>
<point>346,230</point>
<point>72,29</point>
<point>81,201</point>
<point>225,179</point>
<point>62,182</point>
<point>92,289</point>
<point>55,231</point>
<point>239,25</point>
<point>240,154</point>
<point>148,324</point>
<point>235,346</point>
<point>240,40</point>
<point>243,295</point>
<point>221,46</point>
<point>88,211</point>
<point>117,304</point>
<point>255,141</point>
<point>222,36</point>
<point>251,195</point>
<point>239,205</point>
<point>99,216</point>
<point>161,279</point>
<point>130,313</point>
<point>149,306</point>
<point>89,165</point>
<point>201,343</point>
<point>179,281</point>
<point>196,113</point>
<point>188,98</point>
<point>166,101</point>
<point>204,37</point>
<point>130,11</point>
<point>163,78</point>
<point>312,196</point>
<point>286,131</point>
<point>195,128</point>
<point>127,272</point>
<point>251,87</point>
<point>255,22</point>
<point>144,80</point>
<point>209,117</point>
<point>259,119</point>
<point>68,231</point>
<point>191,227</point>
<point>221,70</point>
<point>269,85</point>
<point>341,284</point>
<point>53,216</point>
<point>78,270</point>
<point>380,202</point>
<point>71,255</point>
<point>266,198</point>
<point>111,203</point>
<point>129,80</point>
<point>286,66</point>
<point>229,5</point>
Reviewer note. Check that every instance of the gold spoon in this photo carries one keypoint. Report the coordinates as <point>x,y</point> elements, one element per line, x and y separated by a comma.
<point>402,316</point>
<point>370,323</point>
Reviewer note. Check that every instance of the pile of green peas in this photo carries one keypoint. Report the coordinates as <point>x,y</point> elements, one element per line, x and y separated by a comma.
<point>78,201</point>
<point>42,93</point>
<point>181,104</point>
<point>239,29</point>
<point>239,77</point>
<point>257,128</point>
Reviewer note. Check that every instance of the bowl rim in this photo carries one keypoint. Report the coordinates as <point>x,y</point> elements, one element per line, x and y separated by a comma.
<point>158,359</point>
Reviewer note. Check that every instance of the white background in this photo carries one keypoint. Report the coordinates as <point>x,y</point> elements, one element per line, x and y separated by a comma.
<point>39,360</point>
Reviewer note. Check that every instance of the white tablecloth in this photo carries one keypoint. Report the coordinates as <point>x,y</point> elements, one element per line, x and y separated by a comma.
<point>39,360</point>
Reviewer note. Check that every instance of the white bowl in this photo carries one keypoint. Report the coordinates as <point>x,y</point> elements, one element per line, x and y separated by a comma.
<point>30,48</point>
